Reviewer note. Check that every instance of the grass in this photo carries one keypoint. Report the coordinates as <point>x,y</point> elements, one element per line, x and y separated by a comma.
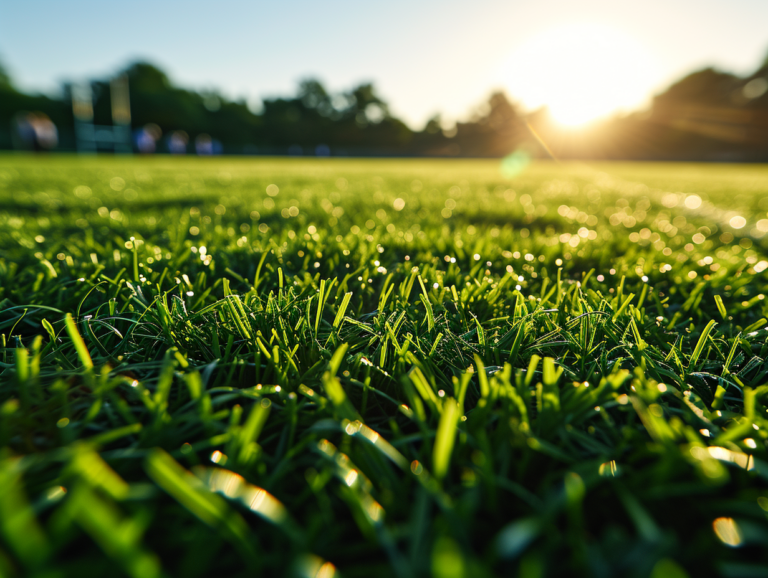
<point>376,368</point>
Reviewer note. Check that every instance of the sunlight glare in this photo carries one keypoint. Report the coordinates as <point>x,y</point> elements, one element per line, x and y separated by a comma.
<point>581,72</point>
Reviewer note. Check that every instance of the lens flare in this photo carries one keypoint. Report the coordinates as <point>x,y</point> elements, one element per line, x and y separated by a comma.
<point>581,72</point>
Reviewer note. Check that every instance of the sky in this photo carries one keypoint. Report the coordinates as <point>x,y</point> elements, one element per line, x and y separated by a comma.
<point>424,56</point>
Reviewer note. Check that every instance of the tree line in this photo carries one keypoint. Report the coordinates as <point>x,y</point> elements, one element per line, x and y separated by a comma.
<point>708,115</point>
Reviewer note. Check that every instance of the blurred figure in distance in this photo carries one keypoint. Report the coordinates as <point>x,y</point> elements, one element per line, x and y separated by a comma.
<point>35,131</point>
<point>177,142</point>
<point>146,138</point>
<point>203,145</point>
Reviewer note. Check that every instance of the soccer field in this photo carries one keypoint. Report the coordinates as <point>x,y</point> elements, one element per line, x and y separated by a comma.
<point>336,367</point>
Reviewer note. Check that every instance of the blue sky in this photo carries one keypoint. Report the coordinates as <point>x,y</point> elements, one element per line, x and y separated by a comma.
<point>425,56</point>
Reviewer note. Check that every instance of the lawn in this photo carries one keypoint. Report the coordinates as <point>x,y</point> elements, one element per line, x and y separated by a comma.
<point>332,367</point>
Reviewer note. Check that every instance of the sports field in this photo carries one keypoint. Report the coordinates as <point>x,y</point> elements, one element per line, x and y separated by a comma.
<point>316,368</point>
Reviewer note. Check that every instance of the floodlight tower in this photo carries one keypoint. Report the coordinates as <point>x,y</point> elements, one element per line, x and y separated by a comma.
<point>82,108</point>
<point>91,136</point>
<point>121,113</point>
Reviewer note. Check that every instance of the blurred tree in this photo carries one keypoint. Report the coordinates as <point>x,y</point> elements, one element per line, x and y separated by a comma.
<point>314,96</point>
<point>707,86</point>
<point>5,79</point>
<point>709,114</point>
<point>497,130</point>
<point>146,77</point>
<point>434,125</point>
<point>154,99</point>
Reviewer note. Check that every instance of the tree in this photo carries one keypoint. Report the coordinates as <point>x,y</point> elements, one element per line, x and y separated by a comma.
<point>6,83</point>
<point>146,77</point>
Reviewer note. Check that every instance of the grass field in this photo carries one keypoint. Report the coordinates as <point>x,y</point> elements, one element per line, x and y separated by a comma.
<point>238,367</point>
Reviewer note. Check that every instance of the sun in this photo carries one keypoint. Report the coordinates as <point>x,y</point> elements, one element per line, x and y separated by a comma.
<point>581,72</point>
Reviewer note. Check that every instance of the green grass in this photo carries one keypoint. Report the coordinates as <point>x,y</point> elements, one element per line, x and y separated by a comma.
<point>382,368</point>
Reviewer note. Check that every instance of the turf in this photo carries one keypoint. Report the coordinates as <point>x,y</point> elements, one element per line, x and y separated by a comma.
<point>283,367</point>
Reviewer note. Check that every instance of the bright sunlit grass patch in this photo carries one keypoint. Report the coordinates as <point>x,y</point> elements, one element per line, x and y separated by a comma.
<point>246,367</point>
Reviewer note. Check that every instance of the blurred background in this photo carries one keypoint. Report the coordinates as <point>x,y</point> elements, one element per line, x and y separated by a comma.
<point>671,80</point>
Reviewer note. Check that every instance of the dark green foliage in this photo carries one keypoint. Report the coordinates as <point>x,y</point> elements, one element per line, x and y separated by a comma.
<point>381,368</point>
<point>707,115</point>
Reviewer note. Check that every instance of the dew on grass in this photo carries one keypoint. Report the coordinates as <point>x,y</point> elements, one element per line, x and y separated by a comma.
<point>693,201</point>
<point>55,493</point>
<point>140,324</point>
<point>727,531</point>
<point>351,478</point>
<point>218,457</point>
